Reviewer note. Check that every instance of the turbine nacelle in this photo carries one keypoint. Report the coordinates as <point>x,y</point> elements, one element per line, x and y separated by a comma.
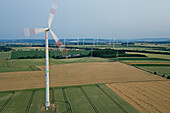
<point>47,29</point>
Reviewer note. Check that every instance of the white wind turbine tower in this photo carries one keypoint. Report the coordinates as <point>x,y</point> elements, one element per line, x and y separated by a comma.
<point>83,41</point>
<point>78,41</point>
<point>109,41</point>
<point>64,41</point>
<point>114,42</point>
<point>97,40</point>
<point>32,31</point>
<point>94,42</point>
<point>127,42</point>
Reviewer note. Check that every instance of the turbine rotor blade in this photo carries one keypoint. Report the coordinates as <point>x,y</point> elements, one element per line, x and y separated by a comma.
<point>52,12</point>
<point>54,36</point>
<point>60,45</point>
<point>31,31</point>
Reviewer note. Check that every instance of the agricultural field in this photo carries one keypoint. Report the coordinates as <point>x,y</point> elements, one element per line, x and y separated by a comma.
<point>160,70</point>
<point>28,48</point>
<point>158,65</point>
<point>136,46</point>
<point>20,65</point>
<point>70,96</point>
<point>78,60</point>
<point>118,46</point>
<point>149,55</point>
<point>147,97</point>
<point>139,60</point>
<point>142,49</point>
<point>75,99</point>
<point>84,85</point>
<point>75,74</point>
<point>5,55</point>
<point>15,65</point>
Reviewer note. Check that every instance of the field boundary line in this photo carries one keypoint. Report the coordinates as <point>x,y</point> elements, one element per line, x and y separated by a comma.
<point>53,95</point>
<point>12,63</point>
<point>68,106</point>
<point>31,68</point>
<point>135,81</point>
<point>30,65</point>
<point>7,63</point>
<point>113,100</point>
<point>8,100</point>
<point>30,102</point>
<point>89,100</point>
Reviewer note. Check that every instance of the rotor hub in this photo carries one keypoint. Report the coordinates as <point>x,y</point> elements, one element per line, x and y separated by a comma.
<point>48,29</point>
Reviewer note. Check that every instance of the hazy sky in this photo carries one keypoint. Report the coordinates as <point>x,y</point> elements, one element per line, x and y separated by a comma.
<point>86,18</point>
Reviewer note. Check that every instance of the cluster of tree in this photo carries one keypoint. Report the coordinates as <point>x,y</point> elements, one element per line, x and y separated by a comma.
<point>30,57</point>
<point>109,53</point>
<point>2,49</point>
<point>68,56</point>
<point>143,51</point>
<point>23,45</point>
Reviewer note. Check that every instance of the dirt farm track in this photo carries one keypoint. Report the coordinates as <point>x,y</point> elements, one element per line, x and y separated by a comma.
<point>145,91</point>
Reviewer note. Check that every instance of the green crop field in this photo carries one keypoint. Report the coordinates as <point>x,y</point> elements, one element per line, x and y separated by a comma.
<point>5,55</point>
<point>149,55</point>
<point>97,98</point>
<point>139,59</point>
<point>18,65</point>
<point>77,60</point>
<point>161,70</point>
<point>28,48</point>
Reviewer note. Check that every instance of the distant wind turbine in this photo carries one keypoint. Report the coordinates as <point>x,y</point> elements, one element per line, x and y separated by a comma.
<point>94,42</point>
<point>78,41</point>
<point>97,41</point>
<point>83,40</point>
<point>32,31</point>
<point>114,42</point>
<point>64,41</point>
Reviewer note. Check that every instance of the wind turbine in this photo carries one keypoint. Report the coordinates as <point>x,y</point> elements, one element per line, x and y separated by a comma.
<point>109,41</point>
<point>114,43</point>
<point>83,41</point>
<point>127,42</point>
<point>64,41</point>
<point>97,40</point>
<point>32,31</point>
<point>77,41</point>
<point>94,42</point>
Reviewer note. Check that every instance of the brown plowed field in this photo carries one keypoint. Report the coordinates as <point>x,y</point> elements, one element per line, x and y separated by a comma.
<point>75,74</point>
<point>147,97</point>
